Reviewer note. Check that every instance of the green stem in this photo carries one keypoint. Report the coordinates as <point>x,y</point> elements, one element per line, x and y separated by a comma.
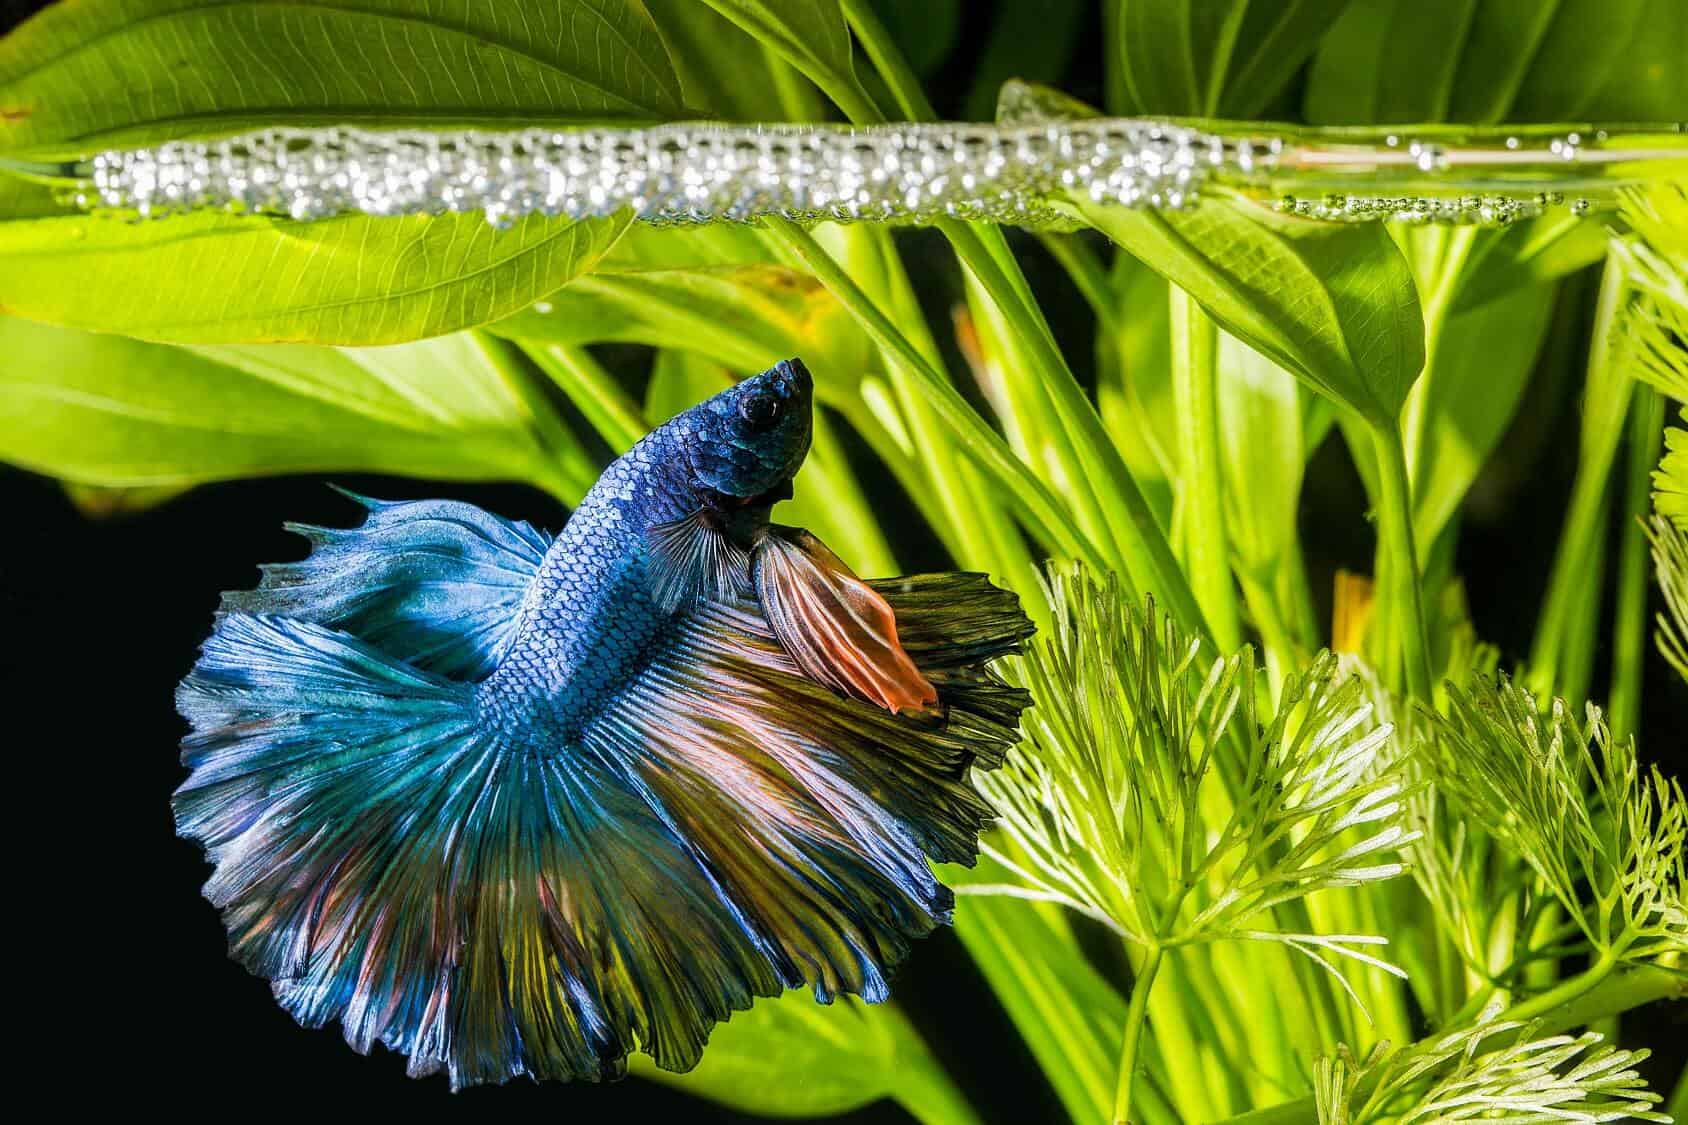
<point>1042,510</point>
<point>1629,630</point>
<point>1401,596</point>
<point>882,51</point>
<point>1604,404</point>
<point>1142,545</point>
<point>1195,345</point>
<point>1135,1013</point>
<point>568,472</point>
<point>596,394</point>
<point>1123,510</point>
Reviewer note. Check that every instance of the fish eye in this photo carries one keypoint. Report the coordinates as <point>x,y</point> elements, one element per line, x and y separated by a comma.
<point>761,411</point>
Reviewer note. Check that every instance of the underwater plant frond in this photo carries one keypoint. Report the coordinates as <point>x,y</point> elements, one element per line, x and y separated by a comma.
<point>1467,1076</point>
<point>1106,807</point>
<point>1670,479</point>
<point>1670,562</point>
<point>1652,335</point>
<point>1604,835</point>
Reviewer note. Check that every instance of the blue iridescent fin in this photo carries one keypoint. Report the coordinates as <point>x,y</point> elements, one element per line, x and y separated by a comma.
<point>493,905</point>
<point>693,560</point>
<point>815,813</point>
<point>385,861</point>
<point>434,582</point>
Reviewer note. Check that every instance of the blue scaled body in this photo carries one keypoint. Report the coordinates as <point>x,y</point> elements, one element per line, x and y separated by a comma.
<point>513,805</point>
<point>593,612</point>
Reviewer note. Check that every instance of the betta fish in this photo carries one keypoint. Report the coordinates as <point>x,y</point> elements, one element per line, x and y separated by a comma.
<point>511,804</point>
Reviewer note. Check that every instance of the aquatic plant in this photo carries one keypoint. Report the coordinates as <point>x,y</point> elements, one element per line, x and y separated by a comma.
<point>1247,865</point>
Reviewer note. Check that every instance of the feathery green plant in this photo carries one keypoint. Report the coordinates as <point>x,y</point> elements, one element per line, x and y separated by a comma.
<point>1238,850</point>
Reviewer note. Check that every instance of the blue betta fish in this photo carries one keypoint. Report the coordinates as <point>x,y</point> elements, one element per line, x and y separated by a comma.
<point>513,805</point>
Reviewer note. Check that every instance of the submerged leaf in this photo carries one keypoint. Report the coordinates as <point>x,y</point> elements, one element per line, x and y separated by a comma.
<point>215,278</point>
<point>1484,61</point>
<point>1471,391</point>
<point>1467,1076</point>
<point>1334,303</point>
<point>1605,835</point>
<point>78,78</point>
<point>792,1057</point>
<point>1214,58</point>
<point>1109,803</point>
<point>105,410</point>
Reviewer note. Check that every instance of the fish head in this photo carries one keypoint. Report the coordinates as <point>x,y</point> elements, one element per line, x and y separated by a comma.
<point>745,444</point>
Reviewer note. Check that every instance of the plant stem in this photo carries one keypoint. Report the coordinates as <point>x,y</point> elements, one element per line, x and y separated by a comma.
<point>1040,507</point>
<point>615,416</point>
<point>1195,343</point>
<point>882,51</point>
<point>1142,545</point>
<point>1400,595</point>
<point>1135,1014</point>
<point>1629,629</point>
<point>1604,404</point>
<point>1122,508</point>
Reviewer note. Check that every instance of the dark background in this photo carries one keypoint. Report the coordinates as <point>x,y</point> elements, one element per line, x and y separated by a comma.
<point>127,986</point>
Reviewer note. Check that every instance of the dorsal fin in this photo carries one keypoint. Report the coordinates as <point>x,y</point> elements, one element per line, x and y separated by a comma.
<point>436,583</point>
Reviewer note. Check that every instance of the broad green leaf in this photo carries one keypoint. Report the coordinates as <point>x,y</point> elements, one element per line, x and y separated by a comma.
<point>1214,58</point>
<point>110,73</point>
<point>792,1057</point>
<point>1334,303</point>
<point>87,76</point>
<point>1263,453</point>
<point>745,317</point>
<point>1471,390</point>
<point>105,410</point>
<point>1536,250</point>
<point>1485,61</point>
<point>214,278</point>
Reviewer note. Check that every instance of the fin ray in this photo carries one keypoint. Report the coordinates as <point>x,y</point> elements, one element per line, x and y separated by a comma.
<point>433,582</point>
<point>837,627</point>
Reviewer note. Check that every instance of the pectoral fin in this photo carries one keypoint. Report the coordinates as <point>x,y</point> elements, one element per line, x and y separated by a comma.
<point>693,560</point>
<point>837,628</point>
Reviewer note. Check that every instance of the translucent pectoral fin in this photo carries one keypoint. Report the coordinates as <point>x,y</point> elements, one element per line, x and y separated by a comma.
<point>693,560</point>
<point>836,627</point>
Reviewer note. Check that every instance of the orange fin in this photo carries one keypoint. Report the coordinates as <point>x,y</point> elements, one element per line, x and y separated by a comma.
<point>836,627</point>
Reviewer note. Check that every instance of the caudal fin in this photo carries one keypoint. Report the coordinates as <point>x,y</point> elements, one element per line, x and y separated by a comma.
<point>328,782</point>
